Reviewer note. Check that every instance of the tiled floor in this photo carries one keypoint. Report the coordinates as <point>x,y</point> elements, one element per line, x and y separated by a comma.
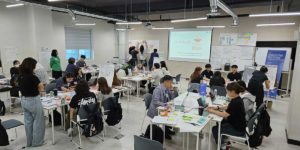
<point>131,124</point>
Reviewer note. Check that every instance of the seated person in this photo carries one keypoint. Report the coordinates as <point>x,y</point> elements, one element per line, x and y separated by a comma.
<point>14,74</point>
<point>156,75</point>
<point>234,75</point>
<point>164,68</point>
<point>248,99</point>
<point>63,83</point>
<point>81,63</point>
<point>104,90</point>
<point>207,73</point>
<point>77,76</point>
<point>116,81</point>
<point>217,80</point>
<point>196,76</point>
<point>71,68</point>
<point>162,95</point>
<point>82,97</point>
<point>234,122</point>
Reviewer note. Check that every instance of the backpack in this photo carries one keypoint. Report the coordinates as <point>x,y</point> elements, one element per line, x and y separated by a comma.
<point>115,112</point>
<point>2,108</point>
<point>94,123</point>
<point>157,133</point>
<point>261,128</point>
<point>56,117</point>
<point>3,136</point>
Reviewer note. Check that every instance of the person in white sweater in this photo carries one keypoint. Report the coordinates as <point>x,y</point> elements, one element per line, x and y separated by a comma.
<point>248,99</point>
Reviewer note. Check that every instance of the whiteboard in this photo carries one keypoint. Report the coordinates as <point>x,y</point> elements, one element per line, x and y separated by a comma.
<point>44,58</point>
<point>262,52</point>
<point>107,71</point>
<point>239,55</point>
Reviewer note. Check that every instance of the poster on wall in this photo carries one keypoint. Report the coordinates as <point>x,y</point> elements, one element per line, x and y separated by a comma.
<point>228,39</point>
<point>44,57</point>
<point>107,71</point>
<point>276,57</point>
<point>149,45</point>
<point>247,39</point>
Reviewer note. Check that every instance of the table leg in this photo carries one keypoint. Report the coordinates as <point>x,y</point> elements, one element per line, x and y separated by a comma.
<point>197,142</point>
<point>209,136</point>
<point>188,141</point>
<point>219,135</point>
<point>62,117</point>
<point>151,130</point>
<point>183,141</point>
<point>138,88</point>
<point>52,121</point>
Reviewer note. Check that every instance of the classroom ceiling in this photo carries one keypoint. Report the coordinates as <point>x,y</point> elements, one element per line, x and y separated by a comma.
<point>117,8</point>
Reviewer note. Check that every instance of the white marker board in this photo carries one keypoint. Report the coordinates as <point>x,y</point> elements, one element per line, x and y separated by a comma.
<point>107,71</point>
<point>262,52</point>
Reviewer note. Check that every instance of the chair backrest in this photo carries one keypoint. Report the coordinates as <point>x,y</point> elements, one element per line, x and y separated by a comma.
<point>50,87</point>
<point>83,113</point>
<point>141,143</point>
<point>147,99</point>
<point>251,124</point>
<point>177,78</point>
<point>221,91</point>
<point>107,103</point>
<point>194,87</point>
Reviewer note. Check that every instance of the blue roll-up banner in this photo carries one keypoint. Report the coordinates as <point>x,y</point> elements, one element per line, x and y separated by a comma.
<point>276,57</point>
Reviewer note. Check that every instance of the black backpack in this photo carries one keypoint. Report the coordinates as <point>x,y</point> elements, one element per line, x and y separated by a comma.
<point>2,108</point>
<point>56,118</point>
<point>157,133</point>
<point>115,111</point>
<point>94,123</point>
<point>3,136</point>
<point>261,128</point>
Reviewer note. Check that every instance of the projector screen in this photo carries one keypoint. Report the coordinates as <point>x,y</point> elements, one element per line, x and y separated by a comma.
<point>191,45</point>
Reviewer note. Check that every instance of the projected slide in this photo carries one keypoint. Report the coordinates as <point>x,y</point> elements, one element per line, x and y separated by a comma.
<point>190,45</point>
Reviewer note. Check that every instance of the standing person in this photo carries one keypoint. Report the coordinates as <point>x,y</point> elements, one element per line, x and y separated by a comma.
<point>234,75</point>
<point>142,56</point>
<point>196,76</point>
<point>30,87</point>
<point>55,64</point>
<point>153,54</point>
<point>207,73</point>
<point>71,68</point>
<point>164,68</point>
<point>256,87</point>
<point>234,122</point>
<point>133,52</point>
<point>14,74</point>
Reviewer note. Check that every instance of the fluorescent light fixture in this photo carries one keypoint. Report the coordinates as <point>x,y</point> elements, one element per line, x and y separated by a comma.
<point>211,26</point>
<point>275,24</point>
<point>276,14</point>
<point>54,0</point>
<point>85,24</point>
<point>120,29</point>
<point>128,23</point>
<point>166,28</point>
<point>14,5</point>
<point>187,20</point>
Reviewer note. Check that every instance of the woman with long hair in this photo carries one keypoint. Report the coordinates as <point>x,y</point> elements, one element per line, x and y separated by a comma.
<point>164,68</point>
<point>104,90</point>
<point>196,76</point>
<point>30,87</point>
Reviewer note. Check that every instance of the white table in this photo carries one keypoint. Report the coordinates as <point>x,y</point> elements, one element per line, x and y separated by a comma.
<point>50,104</point>
<point>190,100</point>
<point>136,79</point>
<point>185,127</point>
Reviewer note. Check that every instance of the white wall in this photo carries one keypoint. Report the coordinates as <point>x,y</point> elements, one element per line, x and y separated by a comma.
<point>246,25</point>
<point>293,128</point>
<point>30,28</point>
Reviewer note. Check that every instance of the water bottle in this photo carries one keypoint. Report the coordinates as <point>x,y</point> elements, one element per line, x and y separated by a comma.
<point>202,89</point>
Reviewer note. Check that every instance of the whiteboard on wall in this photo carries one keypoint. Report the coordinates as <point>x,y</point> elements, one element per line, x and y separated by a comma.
<point>44,58</point>
<point>262,52</point>
<point>239,55</point>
